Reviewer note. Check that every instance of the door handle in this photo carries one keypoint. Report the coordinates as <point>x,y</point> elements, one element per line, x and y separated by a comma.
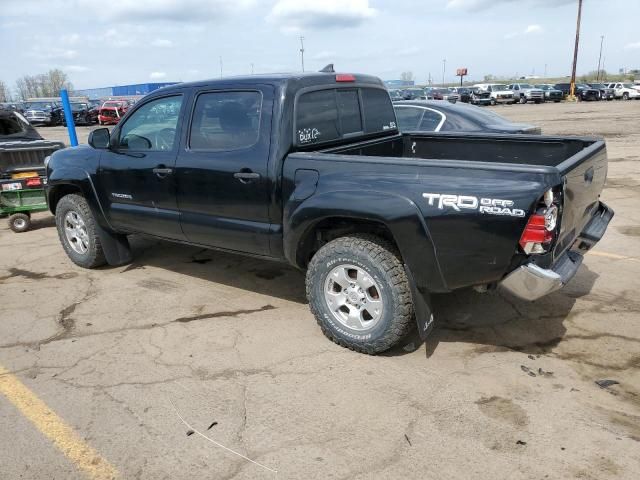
<point>162,171</point>
<point>246,176</point>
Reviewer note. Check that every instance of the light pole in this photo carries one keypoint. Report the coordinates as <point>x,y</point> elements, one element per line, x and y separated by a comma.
<point>302,52</point>
<point>444,67</point>
<point>221,66</point>
<point>252,69</point>
<point>599,59</point>
<point>572,90</point>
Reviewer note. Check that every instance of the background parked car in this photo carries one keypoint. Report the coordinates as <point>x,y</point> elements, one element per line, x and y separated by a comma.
<point>112,111</point>
<point>43,113</point>
<point>480,97</point>
<point>583,92</point>
<point>624,91</point>
<point>443,94</point>
<point>551,94</point>
<point>434,116</point>
<point>83,114</point>
<point>525,92</point>
<point>499,93</point>
<point>13,106</point>
<point>413,94</point>
<point>463,92</point>
<point>606,93</point>
<point>396,95</point>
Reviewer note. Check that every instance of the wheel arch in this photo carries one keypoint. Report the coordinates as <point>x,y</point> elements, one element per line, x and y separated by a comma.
<point>323,217</point>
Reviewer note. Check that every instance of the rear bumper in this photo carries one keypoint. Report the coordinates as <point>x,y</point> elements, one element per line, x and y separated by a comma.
<point>530,282</point>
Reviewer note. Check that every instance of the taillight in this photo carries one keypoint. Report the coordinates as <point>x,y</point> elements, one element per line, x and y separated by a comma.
<point>345,77</point>
<point>540,231</point>
<point>33,182</point>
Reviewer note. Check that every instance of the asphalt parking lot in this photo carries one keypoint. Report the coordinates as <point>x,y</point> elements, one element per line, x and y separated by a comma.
<point>105,373</point>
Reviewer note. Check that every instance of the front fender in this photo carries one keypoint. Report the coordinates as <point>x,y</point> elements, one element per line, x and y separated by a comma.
<point>74,178</point>
<point>399,214</point>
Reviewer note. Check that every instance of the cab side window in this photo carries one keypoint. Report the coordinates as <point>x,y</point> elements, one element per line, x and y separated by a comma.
<point>152,127</point>
<point>225,121</point>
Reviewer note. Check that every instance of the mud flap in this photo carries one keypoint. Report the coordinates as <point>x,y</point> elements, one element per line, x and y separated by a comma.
<point>115,247</point>
<point>421,306</point>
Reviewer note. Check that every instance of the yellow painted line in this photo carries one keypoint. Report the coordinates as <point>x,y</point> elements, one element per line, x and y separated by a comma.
<point>614,256</point>
<point>53,427</point>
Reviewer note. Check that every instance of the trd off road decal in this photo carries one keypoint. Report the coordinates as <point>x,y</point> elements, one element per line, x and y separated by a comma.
<point>490,206</point>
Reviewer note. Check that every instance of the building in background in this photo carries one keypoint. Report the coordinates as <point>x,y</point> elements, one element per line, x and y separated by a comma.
<point>399,83</point>
<point>136,90</point>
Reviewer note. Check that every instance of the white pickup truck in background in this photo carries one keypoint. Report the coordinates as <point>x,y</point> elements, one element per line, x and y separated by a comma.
<point>625,91</point>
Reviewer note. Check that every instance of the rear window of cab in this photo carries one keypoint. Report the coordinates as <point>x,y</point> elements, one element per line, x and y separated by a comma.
<point>333,114</point>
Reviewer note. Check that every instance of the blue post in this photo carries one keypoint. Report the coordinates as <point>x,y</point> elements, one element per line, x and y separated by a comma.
<point>68,116</point>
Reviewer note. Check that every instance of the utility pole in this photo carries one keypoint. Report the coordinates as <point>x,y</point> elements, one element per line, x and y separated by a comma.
<point>444,67</point>
<point>221,66</point>
<point>252,69</point>
<point>599,58</point>
<point>302,52</point>
<point>572,90</point>
<point>545,70</point>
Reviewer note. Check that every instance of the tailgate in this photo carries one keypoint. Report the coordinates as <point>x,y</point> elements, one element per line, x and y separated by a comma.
<point>584,175</point>
<point>25,156</point>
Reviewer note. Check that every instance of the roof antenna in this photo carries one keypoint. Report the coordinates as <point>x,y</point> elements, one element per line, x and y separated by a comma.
<point>328,69</point>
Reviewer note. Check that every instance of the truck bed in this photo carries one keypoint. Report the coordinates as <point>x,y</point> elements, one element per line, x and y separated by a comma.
<point>471,248</point>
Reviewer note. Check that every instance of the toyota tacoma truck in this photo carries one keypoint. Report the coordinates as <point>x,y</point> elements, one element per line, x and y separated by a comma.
<point>310,169</point>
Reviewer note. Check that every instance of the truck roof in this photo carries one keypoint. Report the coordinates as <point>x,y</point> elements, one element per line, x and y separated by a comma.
<point>293,80</point>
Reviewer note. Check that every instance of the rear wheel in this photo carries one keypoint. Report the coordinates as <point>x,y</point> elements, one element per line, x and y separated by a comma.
<point>19,222</point>
<point>359,293</point>
<point>77,232</point>
<point>625,96</point>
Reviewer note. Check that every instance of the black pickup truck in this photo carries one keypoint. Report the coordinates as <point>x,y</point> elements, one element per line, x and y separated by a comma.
<point>310,169</point>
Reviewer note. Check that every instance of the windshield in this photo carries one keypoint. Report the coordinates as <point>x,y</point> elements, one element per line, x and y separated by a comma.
<point>112,104</point>
<point>526,85</point>
<point>40,105</point>
<point>76,107</point>
<point>498,88</point>
<point>543,87</point>
<point>627,85</point>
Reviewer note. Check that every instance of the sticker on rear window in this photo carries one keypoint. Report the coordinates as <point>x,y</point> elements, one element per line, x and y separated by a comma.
<point>308,135</point>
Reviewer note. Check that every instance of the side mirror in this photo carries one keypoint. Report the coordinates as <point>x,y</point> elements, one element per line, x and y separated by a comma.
<point>100,138</point>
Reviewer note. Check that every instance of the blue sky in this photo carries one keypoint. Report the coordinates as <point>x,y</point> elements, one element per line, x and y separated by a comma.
<point>134,41</point>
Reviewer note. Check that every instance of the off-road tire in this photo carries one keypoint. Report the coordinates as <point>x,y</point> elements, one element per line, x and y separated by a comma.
<point>625,96</point>
<point>94,256</point>
<point>381,260</point>
<point>19,222</point>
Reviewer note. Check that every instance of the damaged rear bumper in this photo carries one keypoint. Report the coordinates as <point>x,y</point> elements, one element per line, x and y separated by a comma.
<point>530,282</point>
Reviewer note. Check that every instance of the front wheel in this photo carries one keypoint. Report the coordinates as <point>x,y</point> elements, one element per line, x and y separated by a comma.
<point>359,293</point>
<point>78,233</point>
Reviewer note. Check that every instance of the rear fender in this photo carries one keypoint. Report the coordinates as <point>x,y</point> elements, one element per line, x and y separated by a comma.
<point>400,215</point>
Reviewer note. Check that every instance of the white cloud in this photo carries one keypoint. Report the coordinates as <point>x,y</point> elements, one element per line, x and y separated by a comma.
<point>180,11</point>
<point>117,39</point>
<point>324,55</point>
<point>162,43</point>
<point>70,39</point>
<point>632,46</point>
<point>475,4</point>
<point>53,53</point>
<point>157,75</point>
<point>532,29</point>
<point>295,16</point>
<point>76,68</point>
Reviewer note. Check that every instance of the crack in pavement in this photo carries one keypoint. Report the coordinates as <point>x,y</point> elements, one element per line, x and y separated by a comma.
<point>67,332</point>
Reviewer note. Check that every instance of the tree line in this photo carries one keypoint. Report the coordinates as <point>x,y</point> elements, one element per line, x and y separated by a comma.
<point>46,84</point>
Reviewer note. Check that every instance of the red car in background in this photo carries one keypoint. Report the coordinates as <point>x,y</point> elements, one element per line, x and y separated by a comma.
<point>112,111</point>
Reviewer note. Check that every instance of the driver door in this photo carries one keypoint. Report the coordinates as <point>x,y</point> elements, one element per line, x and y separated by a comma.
<point>136,181</point>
